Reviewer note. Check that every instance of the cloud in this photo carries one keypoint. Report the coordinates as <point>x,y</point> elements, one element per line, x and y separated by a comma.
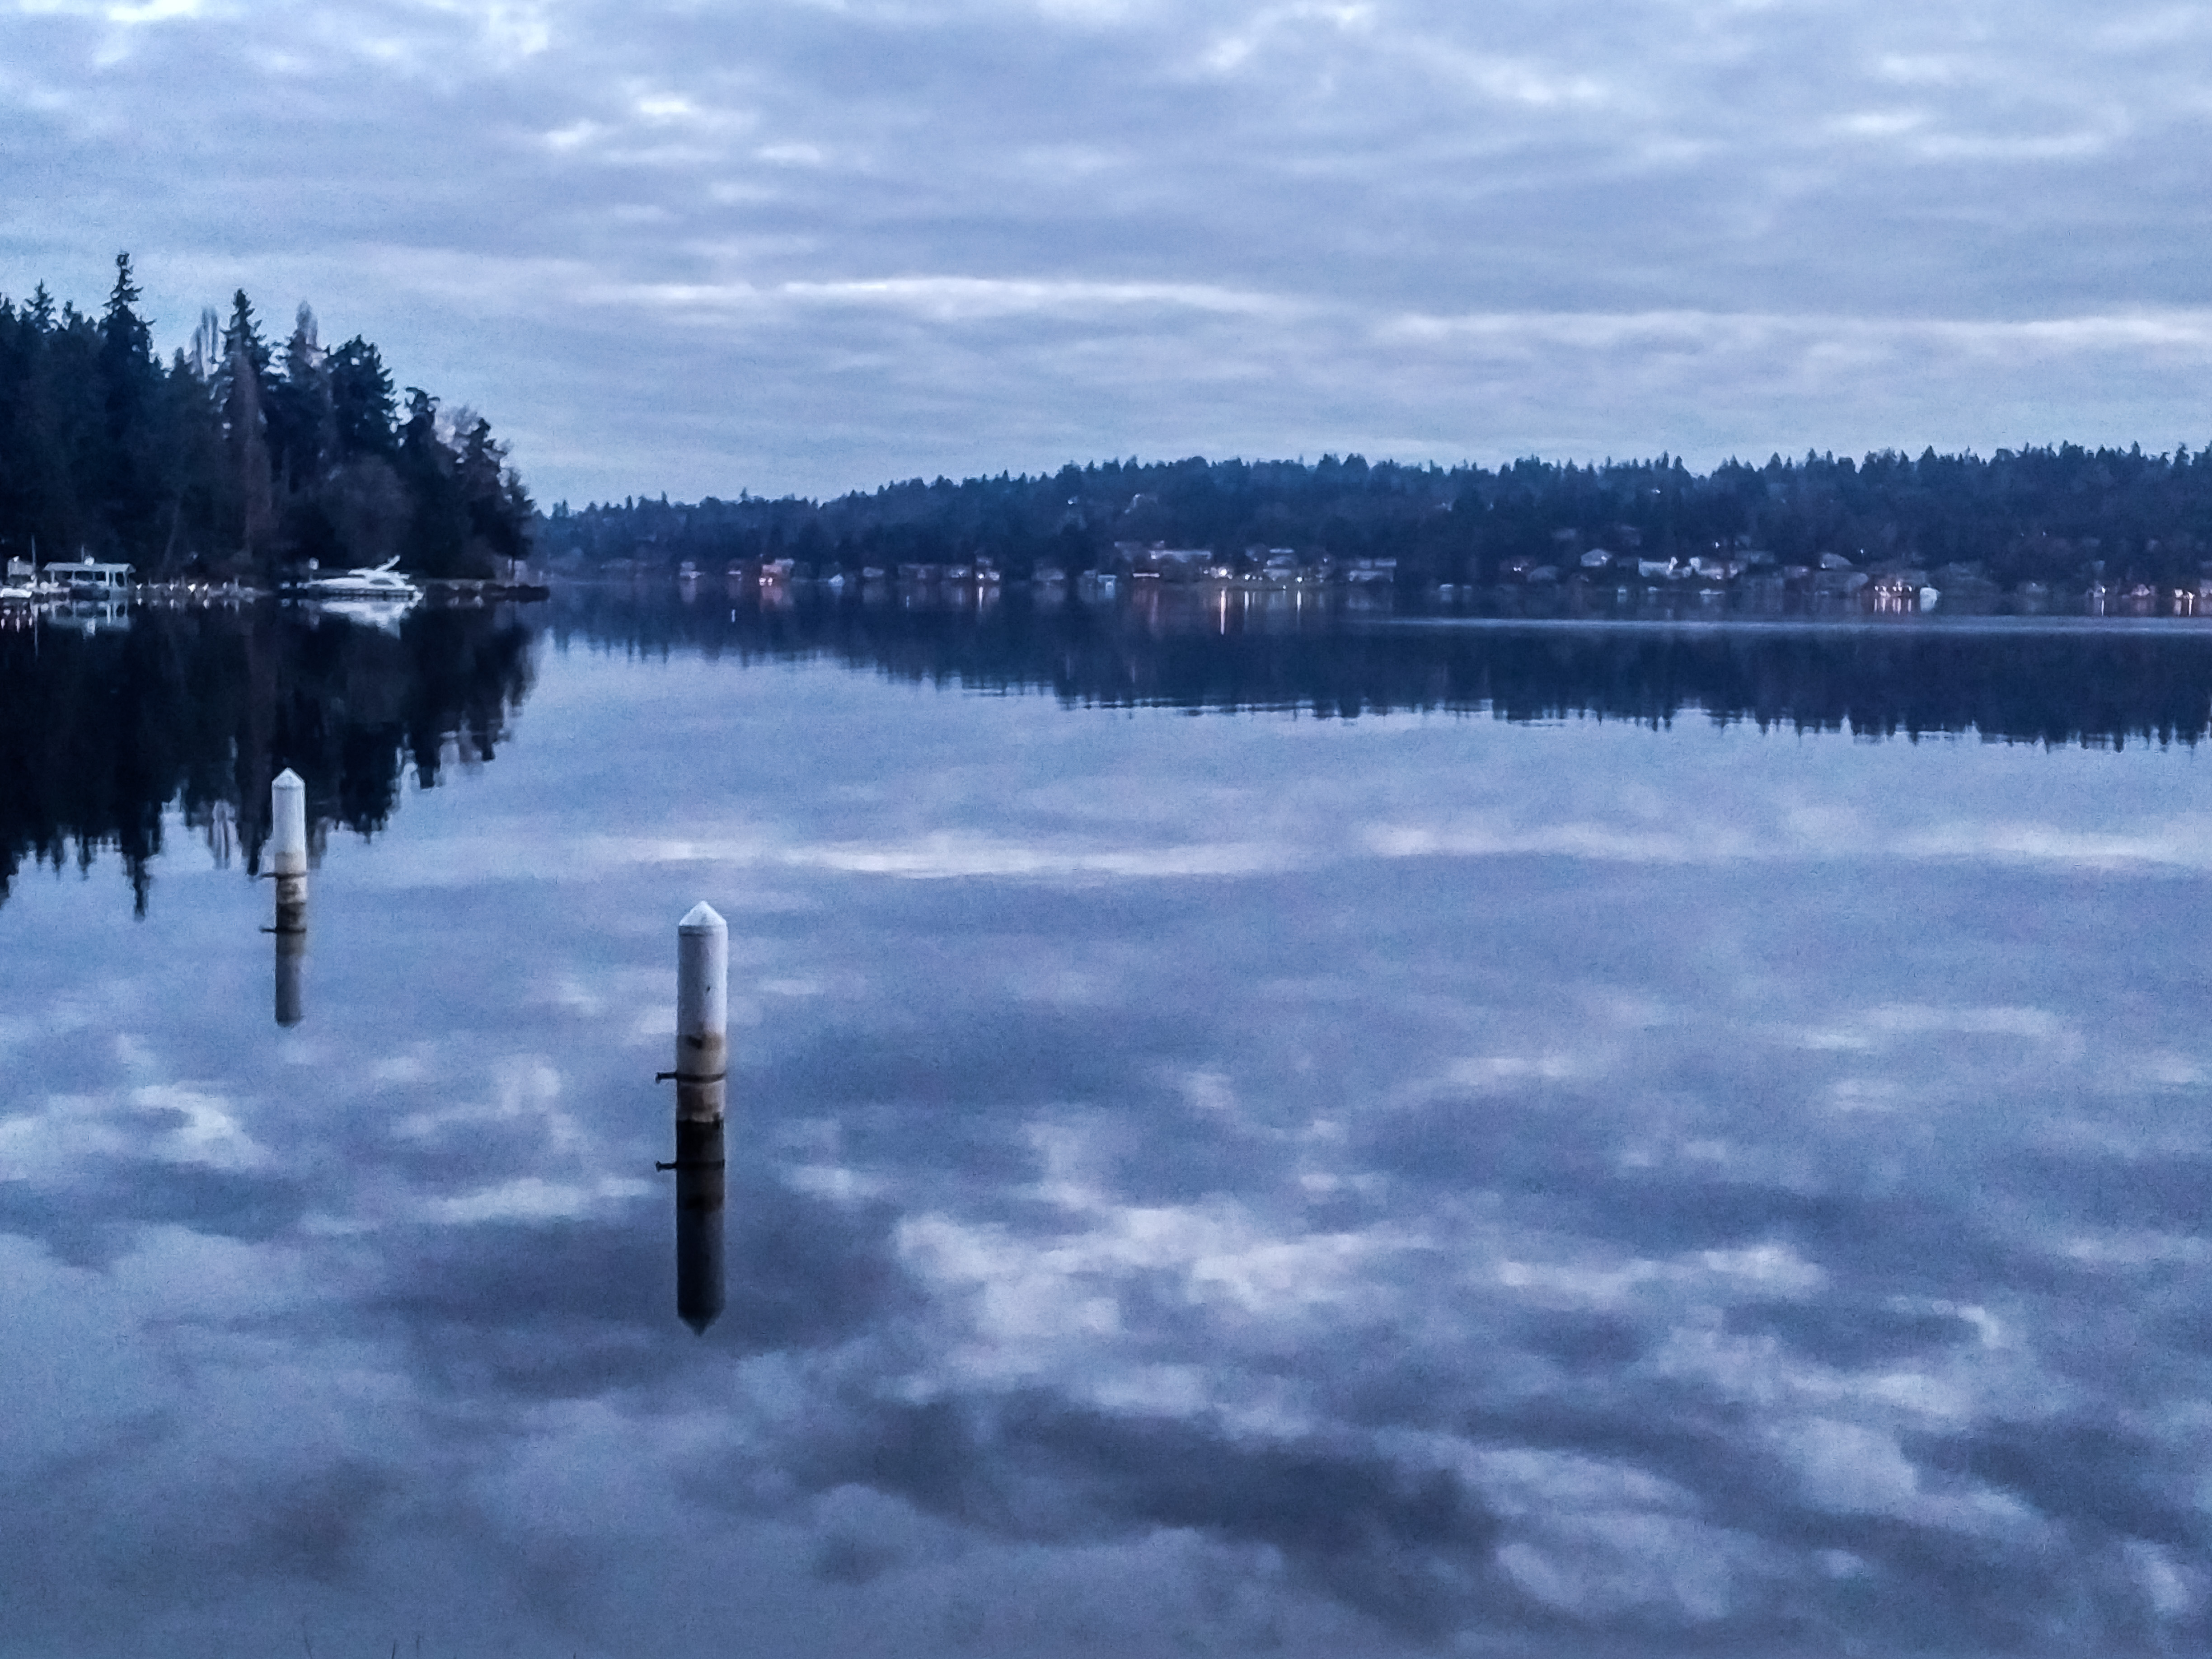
<point>2181,845</point>
<point>2091,1475</point>
<point>1407,1546</point>
<point>825,246</point>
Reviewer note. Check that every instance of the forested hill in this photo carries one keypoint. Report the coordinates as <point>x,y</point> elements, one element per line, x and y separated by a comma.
<point>236,457</point>
<point>2053,516</point>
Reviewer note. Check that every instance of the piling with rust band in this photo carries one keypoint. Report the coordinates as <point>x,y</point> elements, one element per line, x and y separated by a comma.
<point>288,825</point>
<point>288,850</point>
<point>703,1059</point>
<point>288,862</point>
<point>702,1015</point>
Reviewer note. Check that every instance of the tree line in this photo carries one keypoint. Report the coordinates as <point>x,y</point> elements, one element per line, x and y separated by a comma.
<point>2058,515</point>
<point>237,458</point>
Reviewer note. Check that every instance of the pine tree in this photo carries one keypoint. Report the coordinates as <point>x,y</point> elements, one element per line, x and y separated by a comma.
<point>132,485</point>
<point>302,422</point>
<point>52,459</point>
<point>241,397</point>
<point>362,402</point>
<point>233,459</point>
<point>498,508</point>
<point>438,531</point>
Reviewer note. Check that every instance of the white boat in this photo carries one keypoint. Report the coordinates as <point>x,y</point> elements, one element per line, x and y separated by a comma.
<point>382,582</point>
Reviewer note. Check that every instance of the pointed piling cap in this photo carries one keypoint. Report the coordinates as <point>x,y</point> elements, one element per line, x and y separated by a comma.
<point>702,919</point>
<point>699,1321</point>
<point>287,779</point>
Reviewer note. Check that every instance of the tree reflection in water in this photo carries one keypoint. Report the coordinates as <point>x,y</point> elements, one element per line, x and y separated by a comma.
<point>106,732</point>
<point>1200,648</point>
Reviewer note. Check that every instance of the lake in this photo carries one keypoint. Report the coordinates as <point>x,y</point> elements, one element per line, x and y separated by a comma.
<point>1303,1132</point>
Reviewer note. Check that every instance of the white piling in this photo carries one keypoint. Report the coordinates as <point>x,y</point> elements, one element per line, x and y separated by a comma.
<point>288,825</point>
<point>288,862</point>
<point>703,1014</point>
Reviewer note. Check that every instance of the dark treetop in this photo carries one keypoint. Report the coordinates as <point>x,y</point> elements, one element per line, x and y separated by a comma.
<point>2056,516</point>
<point>237,459</point>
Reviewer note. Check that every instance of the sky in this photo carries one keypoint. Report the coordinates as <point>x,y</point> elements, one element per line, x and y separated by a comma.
<point>805,247</point>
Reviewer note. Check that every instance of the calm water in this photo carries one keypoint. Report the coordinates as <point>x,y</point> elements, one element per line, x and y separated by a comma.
<point>1612,1181</point>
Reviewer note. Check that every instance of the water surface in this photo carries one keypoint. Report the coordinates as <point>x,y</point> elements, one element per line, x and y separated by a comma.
<point>1607,1180</point>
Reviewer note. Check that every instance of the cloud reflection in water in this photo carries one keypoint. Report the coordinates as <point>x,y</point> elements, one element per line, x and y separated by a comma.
<point>1796,1243</point>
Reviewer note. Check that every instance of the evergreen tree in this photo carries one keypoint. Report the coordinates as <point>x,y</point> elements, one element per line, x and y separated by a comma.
<point>302,422</point>
<point>438,524</point>
<point>232,459</point>
<point>53,458</point>
<point>362,402</point>
<point>241,397</point>
<point>132,463</point>
<point>498,507</point>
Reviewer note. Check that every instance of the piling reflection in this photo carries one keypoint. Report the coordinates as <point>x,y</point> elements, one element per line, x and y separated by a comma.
<point>291,958</point>
<point>701,1189</point>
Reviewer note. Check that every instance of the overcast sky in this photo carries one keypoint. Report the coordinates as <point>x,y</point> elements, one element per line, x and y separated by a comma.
<point>813,246</point>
